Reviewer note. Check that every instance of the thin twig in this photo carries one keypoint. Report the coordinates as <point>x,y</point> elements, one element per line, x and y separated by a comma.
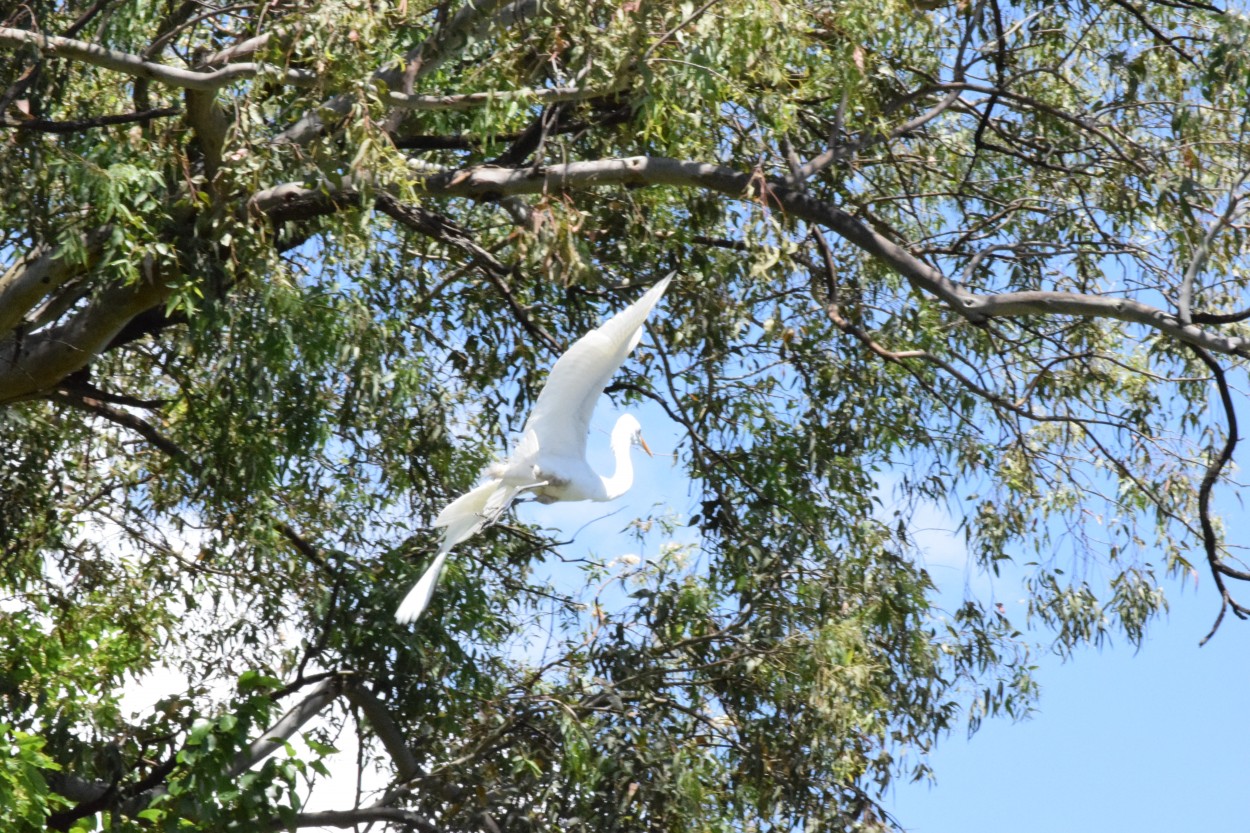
<point>47,126</point>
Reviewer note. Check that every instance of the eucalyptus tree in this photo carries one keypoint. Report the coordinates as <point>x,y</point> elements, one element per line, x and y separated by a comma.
<point>278,278</point>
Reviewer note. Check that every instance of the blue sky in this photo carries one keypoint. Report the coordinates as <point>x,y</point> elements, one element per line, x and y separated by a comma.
<point>1155,740</point>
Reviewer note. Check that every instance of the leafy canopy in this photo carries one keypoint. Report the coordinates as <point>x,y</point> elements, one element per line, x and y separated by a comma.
<point>279,278</point>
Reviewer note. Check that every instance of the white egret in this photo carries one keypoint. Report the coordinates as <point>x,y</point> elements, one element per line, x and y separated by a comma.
<point>549,461</point>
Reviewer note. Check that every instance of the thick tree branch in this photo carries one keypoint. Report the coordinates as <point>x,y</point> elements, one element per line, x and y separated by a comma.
<point>487,182</point>
<point>34,363</point>
<point>40,274</point>
<point>322,695</point>
<point>352,818</point>
<point>53,46</point>
<point>379,717</point>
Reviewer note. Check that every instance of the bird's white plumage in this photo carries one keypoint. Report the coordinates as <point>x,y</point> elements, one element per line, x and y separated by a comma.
<point>560,419</point>
<point>418,598</point>
<point>550,458</point>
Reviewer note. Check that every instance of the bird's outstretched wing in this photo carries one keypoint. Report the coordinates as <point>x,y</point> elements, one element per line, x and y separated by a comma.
<point>560,419</point>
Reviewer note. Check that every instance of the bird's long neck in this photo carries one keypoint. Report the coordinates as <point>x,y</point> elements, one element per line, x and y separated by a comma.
<point>623,475</point>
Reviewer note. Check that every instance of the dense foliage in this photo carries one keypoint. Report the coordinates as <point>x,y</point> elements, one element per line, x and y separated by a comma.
<point>278,278</point>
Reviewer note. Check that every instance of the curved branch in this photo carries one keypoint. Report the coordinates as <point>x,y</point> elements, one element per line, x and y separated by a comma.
<point>34,363</point>
<point>1202,254</point>
<point>1210,539</point>
<point>486,182</point>
<point>492,183</point>
<point>1056,112</point>
<point>95,405</point>
<point>41,274</point>
<point>89,53</point>
<point>387,730</point>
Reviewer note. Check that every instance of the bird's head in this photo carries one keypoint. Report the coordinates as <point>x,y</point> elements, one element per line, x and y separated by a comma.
<point>629,430</point>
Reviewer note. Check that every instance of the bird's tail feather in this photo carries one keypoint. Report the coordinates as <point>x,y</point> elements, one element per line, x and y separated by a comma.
<point>464,517</point>
<point>418,598</point>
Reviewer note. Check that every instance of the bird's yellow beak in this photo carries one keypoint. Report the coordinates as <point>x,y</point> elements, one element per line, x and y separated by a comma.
<point>644,445</point>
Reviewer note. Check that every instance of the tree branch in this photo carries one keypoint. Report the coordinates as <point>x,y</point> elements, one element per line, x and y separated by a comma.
<point>473,21</point>
<point>1210,539</point>
<point>93,796</point>
<point>322,695</point>
<point>34,363</point>
<point>94,405</point>
<point>42,273</point>
<point>1185,296</point>
<point>379,717</point>
<point>53,46</point>
<point>47,126</point>
<point>486,182</point>
<point>352,818</point>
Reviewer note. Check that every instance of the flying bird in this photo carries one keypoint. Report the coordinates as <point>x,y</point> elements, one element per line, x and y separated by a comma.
<point>549,460</point>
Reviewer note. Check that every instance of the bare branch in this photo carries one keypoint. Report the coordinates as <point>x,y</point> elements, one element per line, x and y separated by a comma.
<point>322,695</point>
<point>379,717</point>
<point>89,53</point>
<point>487,182</point>
<point>47,126</point>
<point>41,273</point>
<point>352,818</point>
<point>33,363</point>
<point>1210,539</point>
<point>1080,121</point>
<point>1185,297</point>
